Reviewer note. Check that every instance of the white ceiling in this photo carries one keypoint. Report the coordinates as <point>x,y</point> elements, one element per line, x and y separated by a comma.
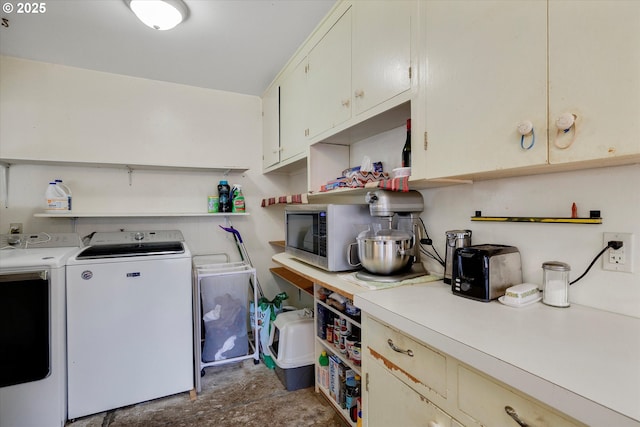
<point>230,45</point>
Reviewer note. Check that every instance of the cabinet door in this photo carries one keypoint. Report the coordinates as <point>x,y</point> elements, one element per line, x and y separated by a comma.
<point>293,112</point>
<point>594,73</point>
<point>329,78</point>
<point>390,402</point>
<point>484,72</point>
<point>271,127</point>
<point>381,51</point>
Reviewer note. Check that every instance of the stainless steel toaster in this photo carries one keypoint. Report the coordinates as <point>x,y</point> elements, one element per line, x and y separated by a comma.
<point>484,272</point>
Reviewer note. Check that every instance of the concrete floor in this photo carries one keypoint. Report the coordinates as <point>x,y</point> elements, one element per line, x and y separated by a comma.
<point>241,394</point>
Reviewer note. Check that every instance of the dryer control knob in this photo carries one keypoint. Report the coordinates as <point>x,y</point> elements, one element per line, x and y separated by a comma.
<point>138,236</point>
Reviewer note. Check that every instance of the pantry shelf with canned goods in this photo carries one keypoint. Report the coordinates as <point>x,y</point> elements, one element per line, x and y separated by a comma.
<point>338,332</point>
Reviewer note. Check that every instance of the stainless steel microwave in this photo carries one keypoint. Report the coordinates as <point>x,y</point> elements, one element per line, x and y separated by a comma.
<point>320,234</point>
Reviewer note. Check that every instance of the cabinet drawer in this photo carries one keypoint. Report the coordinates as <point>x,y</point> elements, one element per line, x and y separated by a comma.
<point>422,368</point>
<point>485,400</point>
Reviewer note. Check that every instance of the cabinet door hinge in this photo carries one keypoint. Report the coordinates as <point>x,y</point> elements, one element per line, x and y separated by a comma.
<point>366,382</point>
<point>409,72</point>
<point>426,141</point>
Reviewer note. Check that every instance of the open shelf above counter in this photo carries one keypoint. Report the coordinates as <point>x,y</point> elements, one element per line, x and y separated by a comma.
<point>7,163</point>
<point>225,170</point>
<point>135,214</point>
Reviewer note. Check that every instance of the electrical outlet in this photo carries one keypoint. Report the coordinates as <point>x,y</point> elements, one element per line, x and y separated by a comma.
<point>618,259</point>
<point>15,228</point>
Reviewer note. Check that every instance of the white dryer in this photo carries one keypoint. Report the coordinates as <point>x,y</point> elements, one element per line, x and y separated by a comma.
<point>32,328</point>
<point>129,320</point>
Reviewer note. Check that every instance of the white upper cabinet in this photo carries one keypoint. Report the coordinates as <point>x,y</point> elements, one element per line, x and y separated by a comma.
<point>594,74</point>
<point>293,112</point>
<point>381,51</point>
<point>329,78</point>
<point>484,71</point>
<point>488,67</point>
<point>270,127</point>
<point>354,68</point>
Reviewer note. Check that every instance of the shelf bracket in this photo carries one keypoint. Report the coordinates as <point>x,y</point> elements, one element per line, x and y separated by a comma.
<point>130,172</point>
<point>5,172</point>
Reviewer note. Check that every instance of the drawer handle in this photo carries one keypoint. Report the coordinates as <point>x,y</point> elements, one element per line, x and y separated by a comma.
<point>513,414</point>
<point>399,350</point>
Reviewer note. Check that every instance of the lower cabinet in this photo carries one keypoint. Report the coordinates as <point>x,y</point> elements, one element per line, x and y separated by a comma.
<point>408,383</point>
<point>390,402</point>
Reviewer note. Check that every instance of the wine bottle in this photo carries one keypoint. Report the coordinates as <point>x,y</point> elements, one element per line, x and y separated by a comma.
<point>406,150</point>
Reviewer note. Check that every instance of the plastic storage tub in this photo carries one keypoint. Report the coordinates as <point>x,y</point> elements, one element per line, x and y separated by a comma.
<point>292,348</point>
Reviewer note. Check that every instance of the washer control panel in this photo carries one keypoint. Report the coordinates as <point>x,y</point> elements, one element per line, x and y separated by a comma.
<point>40,240</point>
<point>119,237</point>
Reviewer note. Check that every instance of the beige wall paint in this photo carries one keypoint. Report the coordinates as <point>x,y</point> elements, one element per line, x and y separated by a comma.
<point>612,190</point>
<point>52,112</point>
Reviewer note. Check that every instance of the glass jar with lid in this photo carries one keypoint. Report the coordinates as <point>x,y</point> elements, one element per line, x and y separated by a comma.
<point>555,283</point>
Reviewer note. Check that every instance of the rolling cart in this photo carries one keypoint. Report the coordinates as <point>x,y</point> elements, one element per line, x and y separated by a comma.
<point>222,293</point>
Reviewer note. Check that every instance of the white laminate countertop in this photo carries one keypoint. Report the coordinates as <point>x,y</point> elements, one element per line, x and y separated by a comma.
<point>579,360</point>
<point>582,361</point>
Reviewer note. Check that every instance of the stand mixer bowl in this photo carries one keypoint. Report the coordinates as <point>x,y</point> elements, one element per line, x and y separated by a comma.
<point>385,252</point>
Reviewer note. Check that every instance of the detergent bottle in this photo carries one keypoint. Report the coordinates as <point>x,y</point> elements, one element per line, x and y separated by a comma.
<point>56,199</point>
<point>66,190</point>
<point>224,195</point>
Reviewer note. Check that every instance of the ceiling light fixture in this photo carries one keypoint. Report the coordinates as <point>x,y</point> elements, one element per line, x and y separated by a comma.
<point>159,14</point>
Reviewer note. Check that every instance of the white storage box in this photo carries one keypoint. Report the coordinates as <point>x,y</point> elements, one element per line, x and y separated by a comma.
<point>291,345</point>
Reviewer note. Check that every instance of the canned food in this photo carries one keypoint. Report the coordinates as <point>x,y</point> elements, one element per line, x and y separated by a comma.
<point>342,343</point>
<point>330,333</point>
<point>350,341</point>
<point>345,327</point>
<point>356,357</point>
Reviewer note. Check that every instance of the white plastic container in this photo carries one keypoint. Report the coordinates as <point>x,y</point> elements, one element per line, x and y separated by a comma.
<point>67,191</point>
<point>521,295</point>
<point>292,348</point>
<point>291,339</point>
<point>56,200</point>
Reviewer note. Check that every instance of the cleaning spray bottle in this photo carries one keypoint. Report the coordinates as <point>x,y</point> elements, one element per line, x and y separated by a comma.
<point>238,199</point>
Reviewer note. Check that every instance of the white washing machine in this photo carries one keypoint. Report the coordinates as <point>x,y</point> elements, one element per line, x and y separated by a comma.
<point>32,328</point>
<point>129,320</point>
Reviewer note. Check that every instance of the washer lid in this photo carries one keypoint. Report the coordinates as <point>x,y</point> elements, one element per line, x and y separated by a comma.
<point>131,250</point>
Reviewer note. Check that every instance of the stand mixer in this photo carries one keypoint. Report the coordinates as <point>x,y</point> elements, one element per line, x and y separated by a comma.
<point>405,208</point>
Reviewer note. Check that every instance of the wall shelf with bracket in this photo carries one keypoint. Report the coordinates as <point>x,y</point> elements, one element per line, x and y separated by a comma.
<point>594,218</point>
<point>129,167</point>
<point>75,215</point>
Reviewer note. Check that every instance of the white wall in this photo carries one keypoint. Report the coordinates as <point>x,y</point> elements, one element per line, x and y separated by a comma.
<point>91,116</point>
<point>613,190</point>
